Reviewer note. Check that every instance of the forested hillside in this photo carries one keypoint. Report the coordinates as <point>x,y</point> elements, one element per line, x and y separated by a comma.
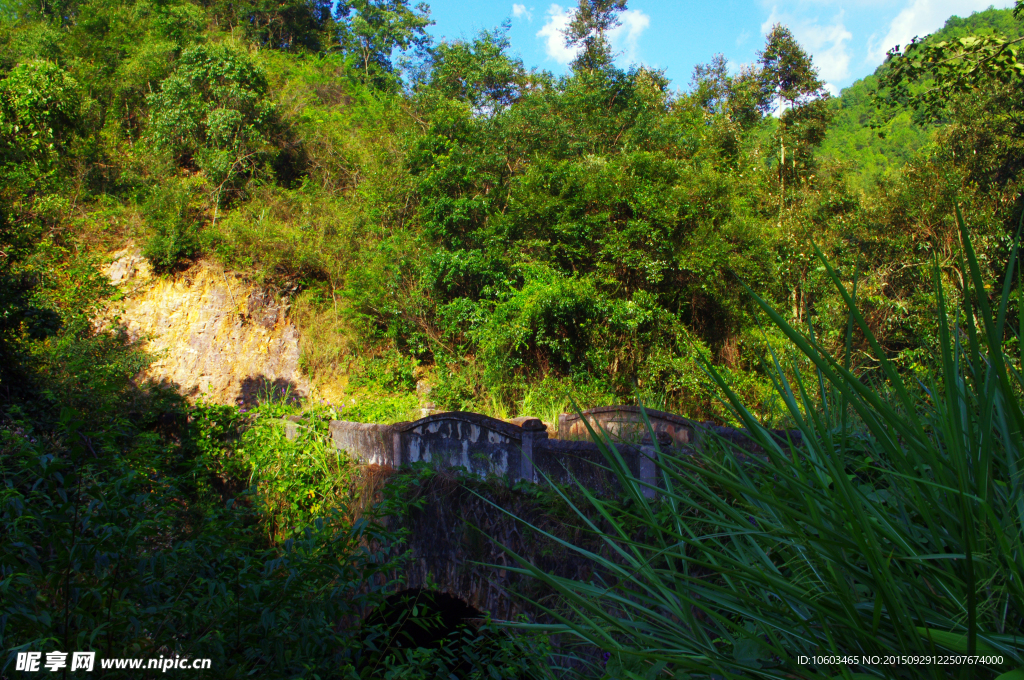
<point>872,141</point>
<point>436,215</point>
<point>517,236</point>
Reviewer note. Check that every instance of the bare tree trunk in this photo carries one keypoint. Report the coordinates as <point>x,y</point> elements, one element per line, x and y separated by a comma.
<point>782,175</point>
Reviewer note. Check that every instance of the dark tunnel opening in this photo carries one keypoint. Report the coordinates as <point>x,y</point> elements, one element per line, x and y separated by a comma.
<point>416,617</point>
<point>462,643</point>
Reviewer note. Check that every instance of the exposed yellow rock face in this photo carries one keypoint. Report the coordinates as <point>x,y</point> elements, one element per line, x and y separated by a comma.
<point>213,334</point>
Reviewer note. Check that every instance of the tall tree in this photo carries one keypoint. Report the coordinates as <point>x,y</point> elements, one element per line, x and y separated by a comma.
<point>588,29</point>
<point>792,89</point>
<point>741,97</point>
<point>291,25</point>
<point>374,29</point>
<point>479,72</point>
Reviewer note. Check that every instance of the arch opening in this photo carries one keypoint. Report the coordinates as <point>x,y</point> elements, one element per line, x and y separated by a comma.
<point>417,617</point>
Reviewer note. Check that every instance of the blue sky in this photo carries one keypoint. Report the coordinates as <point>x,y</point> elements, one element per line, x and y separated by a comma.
<point>847,38</point>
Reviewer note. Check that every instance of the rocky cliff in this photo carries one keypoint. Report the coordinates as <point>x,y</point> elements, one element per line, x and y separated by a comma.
<point>212,333</point>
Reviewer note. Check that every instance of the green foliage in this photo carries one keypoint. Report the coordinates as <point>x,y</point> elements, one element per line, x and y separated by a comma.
<point>175,213</point>
<point>587,31</point>
<point>39,116</point>
<point>99,580</point>
<point>296,482</point>
<point>134,529</point>
<point>379,27</point>
<point>391,371</point>
<point>409,638</point>
<point>869,148</point>
<point>517,241</point>
<point>211,113</point>
<point>480,73</point>
<point>891,524</point>
<point>462,221</point>
<point>548,324</point>
<point>786,71</point>
<point>973,81</point>
<point>379,409</point>
<point>969,62</point>
<point>791,86</point>
<point>877,127</point>
<point>598,219</point>
<point>294,26</point>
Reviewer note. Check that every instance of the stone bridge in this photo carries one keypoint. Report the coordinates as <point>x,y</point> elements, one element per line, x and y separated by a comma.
<point>519,450</point>
<point>481,461</point>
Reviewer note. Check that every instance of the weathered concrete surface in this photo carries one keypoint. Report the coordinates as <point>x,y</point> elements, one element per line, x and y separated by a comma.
<point>369,443</point>
<point>626,424</point>
<point>481,445</point>
<point>741,440</point>
<point>570,462</point>
<point>456,534</point>
<point>458,528</point>
<point>521,449</point>
<point>212,333</point>
<point>486,447</point>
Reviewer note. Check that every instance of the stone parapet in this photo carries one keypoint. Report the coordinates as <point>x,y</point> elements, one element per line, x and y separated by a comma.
<point>626,424</point>
<point>521,450</point>
<point>369,443</point>
<point>480,444</point>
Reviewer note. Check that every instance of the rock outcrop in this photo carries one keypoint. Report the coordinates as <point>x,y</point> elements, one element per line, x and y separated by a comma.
<point>212,333</point>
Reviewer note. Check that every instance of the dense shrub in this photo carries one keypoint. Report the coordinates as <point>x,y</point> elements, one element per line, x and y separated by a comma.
<point>175,213</point>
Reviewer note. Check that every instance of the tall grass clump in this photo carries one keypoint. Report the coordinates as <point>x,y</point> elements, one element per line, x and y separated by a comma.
<point>892,531</point>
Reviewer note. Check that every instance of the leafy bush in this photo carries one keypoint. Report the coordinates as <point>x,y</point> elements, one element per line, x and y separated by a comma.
<point>174,212</point>
<point>127,530</point>
<point>390,370</point>
<point>379,409</point>
<point>421,634</point>
<point>40,118</point>
<point>212,113</point>
<point>110,552</point>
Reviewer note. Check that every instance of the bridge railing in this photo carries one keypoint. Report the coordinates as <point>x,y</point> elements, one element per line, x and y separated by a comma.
<point>520,449</point>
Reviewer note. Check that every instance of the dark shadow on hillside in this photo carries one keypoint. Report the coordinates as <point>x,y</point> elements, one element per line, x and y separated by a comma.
<point>262,390</point>
<point>170,416</point>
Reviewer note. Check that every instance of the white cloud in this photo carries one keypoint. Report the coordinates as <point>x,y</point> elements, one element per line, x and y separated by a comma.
<point>773,18</point>
<point>826,43</point>
<point>920,18</point>
<point>520,11</point>
<point>624,38</point>
<point>553,33</point>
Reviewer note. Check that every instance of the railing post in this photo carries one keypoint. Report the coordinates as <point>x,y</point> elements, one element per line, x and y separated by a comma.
<point>396,445</point>
<point>533,432</point>
<point>647,463</point>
